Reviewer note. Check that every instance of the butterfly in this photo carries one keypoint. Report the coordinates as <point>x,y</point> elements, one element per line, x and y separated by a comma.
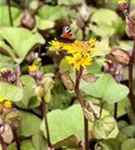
<point>67,35</point>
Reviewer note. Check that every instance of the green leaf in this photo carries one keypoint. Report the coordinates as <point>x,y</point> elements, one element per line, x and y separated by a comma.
<point>110,144</point>
<point>104,22</point>
<point>64,123</point>
<point>4,16</point>
<point>52,13</point>
<point>103,47</point>
<point>49,68</point>
<point>128,131</point>
<point>43,24</point>
<point>29,99</point>
<point>105,127</point>
<point>130,114</point>
<point>29,124</point>
<point>121,107</point>
<point>25,145</point>
<point>22,42</point>
<point>69,2</point>
<point>125,45</point>
<point>64,65</point>
<point>129,144</point>
<point>94,68</point>
<point>6,49</point>
<point>39,142</point>
<point>10,92</point>
<point>6,62</point>
<point>105,88</point>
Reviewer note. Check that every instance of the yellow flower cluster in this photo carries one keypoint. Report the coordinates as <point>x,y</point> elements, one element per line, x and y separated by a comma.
<point>79,53</point>
<point>124,1</point>
<point>2,70</point>
<point>33,68</point>
<point>6,103</point>
<point>121,1</point>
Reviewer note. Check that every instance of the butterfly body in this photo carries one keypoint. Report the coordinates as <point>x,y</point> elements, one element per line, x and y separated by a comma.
<point>67,35</point>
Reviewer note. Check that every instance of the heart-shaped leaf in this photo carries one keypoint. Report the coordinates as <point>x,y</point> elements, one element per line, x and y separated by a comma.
<point>22,41</point>
<point>10,92</point>
<point>105,22</point>
<point>64,123</point>
<point>29,124</point>
<point>106,89</point>
<point>68,122</point>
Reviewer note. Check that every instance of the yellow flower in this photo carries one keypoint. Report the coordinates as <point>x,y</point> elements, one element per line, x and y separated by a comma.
<point>2,99</point>
<point>79,52</point>
<point>55,45</point>
<point>3,70</point>
<point>79,60</point>
<point>7,104</point>
<point>80,47</point>
<point>33,68</point>
<point>121,1</point>
<point>92,42</point>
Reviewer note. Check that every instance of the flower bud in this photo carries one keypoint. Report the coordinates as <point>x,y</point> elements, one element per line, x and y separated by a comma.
<point>7,135</point>
<point>89,78</point>
<point>130,28</point>
<point>121,56</point>
<point>28,20</point>
<point>67,81</point>
<point>39,90</point>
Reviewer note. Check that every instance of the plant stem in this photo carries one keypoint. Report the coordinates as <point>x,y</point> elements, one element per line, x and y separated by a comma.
<point>129,4</point>
<point>86,129</point>
<point>10,12</point>
<point>77,84</point>
<point>44,117</point>
<point>79,97</point>
<point>129,18</point>
<point>16,138</point>
<point>115,110</point>
<point>131,63</point>
<point>2,143</point>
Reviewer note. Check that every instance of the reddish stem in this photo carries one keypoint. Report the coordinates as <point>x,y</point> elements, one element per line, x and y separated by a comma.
<point>79,97</point>
<point>44,117</point>
<point>131,63</point>
<point>16,138</point>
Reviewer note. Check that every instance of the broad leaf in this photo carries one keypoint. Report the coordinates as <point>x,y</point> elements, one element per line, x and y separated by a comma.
<point>106,89</point>
<point>43,24</point>
<point>25,145</point>
<point>29,124</point>
<point>64,123</point>
<point>110,144</point>
<point>69,2</point>
<point>68,122</point>
<point>29,99</point>
<point>105,127</point>
<point>6,61</point>
<point>39,142</point>
<point>129,144</point>
<point>51,13</point>
<point>105,22</point>
<point>4,16</point>
<point>21,40</point>
<point>10,92</point>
